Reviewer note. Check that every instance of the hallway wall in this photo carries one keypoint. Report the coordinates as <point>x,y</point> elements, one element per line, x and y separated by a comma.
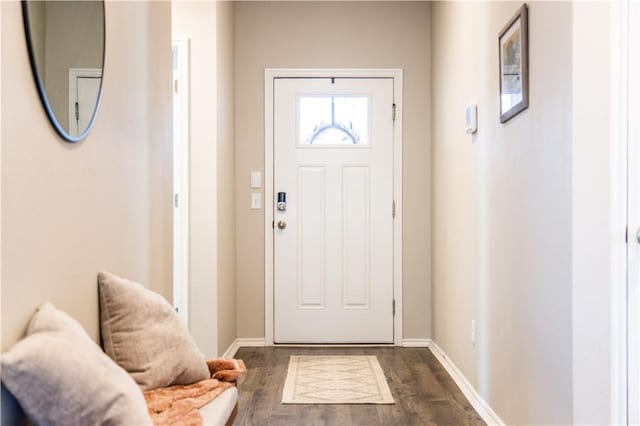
<point>502,211</point>
<point>226,167</point>
<point>71,210</point>
<point>196,20</point>
<point>334,35</point>
<point>599,215</point>
<point>212,307</point>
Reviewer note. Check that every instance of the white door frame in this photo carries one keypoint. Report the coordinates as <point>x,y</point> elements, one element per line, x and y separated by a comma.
<point>633,207</point>
<point>269,75</point>
<point>620,43</point>
<point>181,181</point>
<point>618,206</point>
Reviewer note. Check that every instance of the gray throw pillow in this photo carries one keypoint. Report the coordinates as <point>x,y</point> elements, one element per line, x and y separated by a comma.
<point>61,377</point>
<point>143,334</point>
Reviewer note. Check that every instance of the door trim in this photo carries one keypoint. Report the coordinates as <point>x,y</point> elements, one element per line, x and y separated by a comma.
<point>632,16</point>
<point>269,75</point>
<point>619,45</point>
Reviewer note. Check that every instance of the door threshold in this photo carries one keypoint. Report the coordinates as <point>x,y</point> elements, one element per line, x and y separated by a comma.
<point>333,345</point>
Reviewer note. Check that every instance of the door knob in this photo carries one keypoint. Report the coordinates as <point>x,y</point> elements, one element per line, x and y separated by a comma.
<point>282,224</point>
<point>638,235</point>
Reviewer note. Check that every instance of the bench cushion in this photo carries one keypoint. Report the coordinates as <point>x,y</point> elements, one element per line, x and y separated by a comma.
<point>218,411</point>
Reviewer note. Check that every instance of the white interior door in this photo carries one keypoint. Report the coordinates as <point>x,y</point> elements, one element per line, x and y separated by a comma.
<point>633,246</point>
<point>180,49</point>
<point>84,89</point>
<point>333,244</point>
<point>88,92</point>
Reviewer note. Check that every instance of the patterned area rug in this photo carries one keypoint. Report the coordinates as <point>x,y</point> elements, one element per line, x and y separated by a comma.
<point>354,379</point>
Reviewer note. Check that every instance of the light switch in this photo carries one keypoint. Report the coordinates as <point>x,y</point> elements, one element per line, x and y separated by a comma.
<point>256,200</point>
<point>256,180</point>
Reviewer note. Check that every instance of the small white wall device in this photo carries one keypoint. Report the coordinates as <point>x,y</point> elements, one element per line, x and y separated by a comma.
<point>471,119</point>
<point>256,180</point>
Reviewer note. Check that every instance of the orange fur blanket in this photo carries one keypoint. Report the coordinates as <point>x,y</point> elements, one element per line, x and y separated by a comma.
<point>178,405</point>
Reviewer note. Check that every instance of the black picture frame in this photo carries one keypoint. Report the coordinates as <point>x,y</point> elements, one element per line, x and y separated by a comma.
<point>513,72</point>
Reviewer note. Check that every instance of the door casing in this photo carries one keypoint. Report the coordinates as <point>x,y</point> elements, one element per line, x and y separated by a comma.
<point>273,73</point>
<point>621,42</point>
<point>633,215</point>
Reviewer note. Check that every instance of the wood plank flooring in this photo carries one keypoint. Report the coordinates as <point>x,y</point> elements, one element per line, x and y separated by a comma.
<point>424,393</point>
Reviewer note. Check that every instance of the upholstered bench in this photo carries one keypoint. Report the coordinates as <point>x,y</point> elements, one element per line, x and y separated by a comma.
<point>58,375</point>
<point>221,411</point>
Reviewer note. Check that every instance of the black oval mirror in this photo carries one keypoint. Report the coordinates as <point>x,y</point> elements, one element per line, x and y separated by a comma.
<point>66,49</point>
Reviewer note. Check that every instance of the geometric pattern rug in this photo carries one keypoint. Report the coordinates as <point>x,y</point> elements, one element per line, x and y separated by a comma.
<point>335,379</point>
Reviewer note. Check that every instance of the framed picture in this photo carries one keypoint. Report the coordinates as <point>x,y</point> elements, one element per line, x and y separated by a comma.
<point>514,65</point>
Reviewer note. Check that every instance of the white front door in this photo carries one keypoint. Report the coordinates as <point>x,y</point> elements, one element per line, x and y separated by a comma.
<point>333,242</point>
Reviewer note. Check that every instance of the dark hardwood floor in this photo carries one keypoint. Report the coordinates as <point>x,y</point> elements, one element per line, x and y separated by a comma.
<point>423,391</point>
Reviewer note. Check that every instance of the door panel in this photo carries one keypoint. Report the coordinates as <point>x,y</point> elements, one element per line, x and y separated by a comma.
<point>355,238</point>
<point>333,262</point>
<point>311,238</point>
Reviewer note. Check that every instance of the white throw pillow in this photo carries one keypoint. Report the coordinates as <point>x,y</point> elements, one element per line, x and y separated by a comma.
<point>143,334</point>
<point>61,377</point>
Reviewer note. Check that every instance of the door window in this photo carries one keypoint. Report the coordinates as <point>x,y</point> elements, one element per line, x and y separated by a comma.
<point>333,120</point>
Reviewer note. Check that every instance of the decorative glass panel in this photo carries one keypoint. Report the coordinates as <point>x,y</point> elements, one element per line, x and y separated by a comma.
<point>333,120</point>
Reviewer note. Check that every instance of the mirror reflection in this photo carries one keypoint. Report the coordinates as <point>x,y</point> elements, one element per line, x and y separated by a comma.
<point>66,48</point>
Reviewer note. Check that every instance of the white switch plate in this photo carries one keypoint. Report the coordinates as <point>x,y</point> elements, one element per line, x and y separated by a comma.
<point>256,180</point>
<point>256,200</point>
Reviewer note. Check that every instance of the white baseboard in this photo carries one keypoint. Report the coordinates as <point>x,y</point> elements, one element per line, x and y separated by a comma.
<point>476,401</point>
<point>231,350</point>
<point>251,342</point>
<point>416,343</point>
<point>242,342</point>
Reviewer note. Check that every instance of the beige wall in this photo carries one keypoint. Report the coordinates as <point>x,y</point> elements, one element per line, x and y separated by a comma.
<point>502,212</point>
<point>226,176</point>
<point>212,310</point>
<point>334,35</point>
<point>599,217</point>
<point>1,128</point>
<point>196,20</point>
<point>71,210</point>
